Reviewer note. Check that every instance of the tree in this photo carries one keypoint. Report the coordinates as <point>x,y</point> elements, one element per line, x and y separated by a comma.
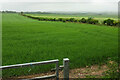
<point>21,13</point>
<point>72,19</point>
<point>109,22</point>
<point>83,20</point>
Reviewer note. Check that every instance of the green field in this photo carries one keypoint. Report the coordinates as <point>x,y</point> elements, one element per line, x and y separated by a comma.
<point>27,40</point>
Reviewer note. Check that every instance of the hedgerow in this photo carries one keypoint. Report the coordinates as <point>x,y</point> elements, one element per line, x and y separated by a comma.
<point>111,22</point>
<point>92,21</point>
<point>108,22</point>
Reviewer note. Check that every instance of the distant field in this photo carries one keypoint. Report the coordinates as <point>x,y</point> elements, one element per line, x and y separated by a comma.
<point>79,16</point>
<point>28,40</point>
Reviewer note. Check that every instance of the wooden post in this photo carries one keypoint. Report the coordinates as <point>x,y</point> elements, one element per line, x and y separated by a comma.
<point>66,68</point>
<point>57,70</point>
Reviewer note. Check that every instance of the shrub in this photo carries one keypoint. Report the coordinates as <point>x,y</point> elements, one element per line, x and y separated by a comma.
<point>95,22</point>
<point>72,19</point>
<point>54,19</point>
<point>76,20</point>
<point>60,19</point>
<point>92,21</point>
<point>40,18</point>
<point>109,22</point>
<point>83,20</point>
<point>79,20</point>
<point>68,20</point>
<point>50,19</point>
<point>116,23</point>
<point>46,19</point>
<point>63,20</point>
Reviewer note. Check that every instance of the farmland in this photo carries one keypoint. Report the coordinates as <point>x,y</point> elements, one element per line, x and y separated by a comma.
<point>27,40</point>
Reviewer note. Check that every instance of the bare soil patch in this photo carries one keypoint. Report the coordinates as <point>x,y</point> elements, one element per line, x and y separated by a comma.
<point>94,70</point>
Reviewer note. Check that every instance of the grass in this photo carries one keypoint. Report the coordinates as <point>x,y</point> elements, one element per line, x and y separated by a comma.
<point>26,40</point>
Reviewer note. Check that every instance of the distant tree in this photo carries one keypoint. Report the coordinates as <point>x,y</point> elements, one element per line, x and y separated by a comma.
<point>83,20</point>
<point>60,19</point>
<point>72,19</point>
<point>76,20</point>
<point>21,13</point>
<point>91,20</point>
<point>64,20</point>
<point>67,19</point>
<point>109,22</point>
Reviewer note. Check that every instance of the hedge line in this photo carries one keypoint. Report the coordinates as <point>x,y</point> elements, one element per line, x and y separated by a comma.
<point>108,22</point>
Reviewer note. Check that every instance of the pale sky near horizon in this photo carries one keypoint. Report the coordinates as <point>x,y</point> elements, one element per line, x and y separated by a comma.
<point>60,5</point>
<point>58,0</point>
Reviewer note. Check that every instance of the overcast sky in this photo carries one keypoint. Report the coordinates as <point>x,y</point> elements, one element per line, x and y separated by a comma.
<point>60,5</point>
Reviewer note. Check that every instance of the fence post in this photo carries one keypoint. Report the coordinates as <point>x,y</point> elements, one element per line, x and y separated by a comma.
<point>57,70</point>
<point>66,68</point>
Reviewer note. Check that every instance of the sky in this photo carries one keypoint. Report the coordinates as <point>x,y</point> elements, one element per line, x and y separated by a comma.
<point>60,5</point>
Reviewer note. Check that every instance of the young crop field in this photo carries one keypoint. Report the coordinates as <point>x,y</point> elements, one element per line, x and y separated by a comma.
<point>27,40</point>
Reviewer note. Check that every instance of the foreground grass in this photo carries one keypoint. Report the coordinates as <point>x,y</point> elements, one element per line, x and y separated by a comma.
<point>27,40</point>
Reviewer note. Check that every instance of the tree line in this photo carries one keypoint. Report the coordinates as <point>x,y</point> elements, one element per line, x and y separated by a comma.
<point>108,22</point>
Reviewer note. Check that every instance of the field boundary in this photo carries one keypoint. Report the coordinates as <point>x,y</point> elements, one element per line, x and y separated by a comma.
<point>56,75</point>
<point>90,20</point>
